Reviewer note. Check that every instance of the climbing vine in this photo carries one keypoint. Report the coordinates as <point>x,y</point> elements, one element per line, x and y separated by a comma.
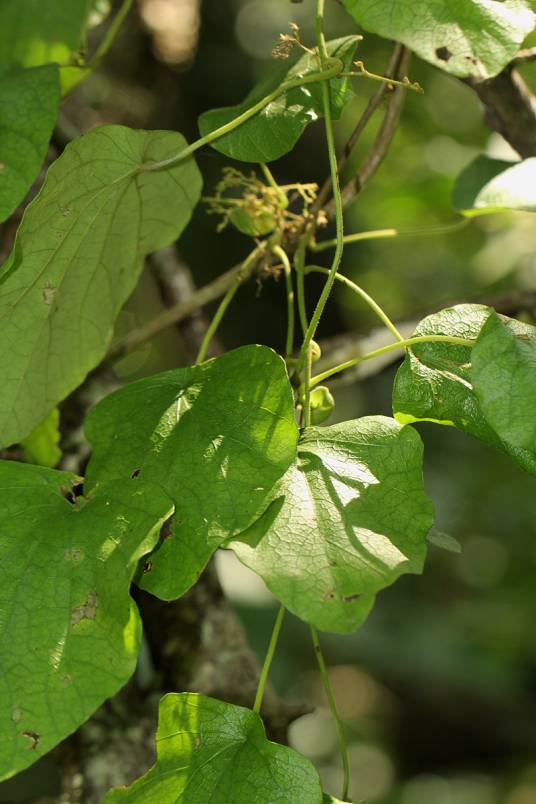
<point>229,452</point>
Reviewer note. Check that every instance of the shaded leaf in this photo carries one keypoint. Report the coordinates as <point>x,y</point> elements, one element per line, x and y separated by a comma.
<point>348,518</point>
<point>29,102</point>
<point>216,436</point>
<point>275,130</point>
<point>208,750</point>
<point>69,631</point>
<point>434,383</point>
<point>77,257</point>
<point>504,378</point>
<point>34,32</point>
<point>462,37</point>
<point>41,446</point>
<point>491,185</point>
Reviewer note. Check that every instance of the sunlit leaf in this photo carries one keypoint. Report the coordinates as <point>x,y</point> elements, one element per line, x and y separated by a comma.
<point>435,381</point>
<point>41,446</point>
<point>463,37</point>
<point>69,631</point>
<point>216,436</point>
<point>491,185</point>
<point>275,130</point>
<point>348,518</point>
<point>208,750</point>
<point>504,378</point>
<point>77,257</point>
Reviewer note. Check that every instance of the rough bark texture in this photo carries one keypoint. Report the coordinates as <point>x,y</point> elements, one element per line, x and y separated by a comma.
<point>510,109</point>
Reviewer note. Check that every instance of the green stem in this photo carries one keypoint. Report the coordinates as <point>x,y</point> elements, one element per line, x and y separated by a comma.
<point>334,711</point>
<point>307,383</point>
<point>279,252</point>
<point>272,182</point>
<point>375,234</point>
<point>224,304</point>
<point>299,267</point>
<point>332,68</point>
<point>364,295</point>
<point>111,33</point>
<point>391,347</point>
<point>339,222</point>
<point>268,660</point>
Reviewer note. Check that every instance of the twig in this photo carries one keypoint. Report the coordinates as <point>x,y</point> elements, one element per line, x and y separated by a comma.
<point>382,142</point>
<point>209,293</point>
<point>374,103</point>
<point>524,56</point>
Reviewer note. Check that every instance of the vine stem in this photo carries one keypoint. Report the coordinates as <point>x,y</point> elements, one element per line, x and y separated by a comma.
<point>334,711</point>
<point>391,347</point>
<point>111,33</point>
<point>375,234</point>
<point>299,267</point>
<point>339,222</point>
<point>331,67</point>
<point>281,253</point>
<point>263,678</point>
<point>382,315</point>
<point>242,274</point>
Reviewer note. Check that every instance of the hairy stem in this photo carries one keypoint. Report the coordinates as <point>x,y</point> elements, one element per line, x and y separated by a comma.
<point>241,276</point>
<point>374,306</point>
<point>376,234</point>
<point>334,711</point>
<point>268,660</point>
<point>391,347</point>
<point>279,252</point>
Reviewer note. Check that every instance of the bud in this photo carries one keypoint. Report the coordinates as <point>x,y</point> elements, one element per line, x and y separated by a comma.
<point>322,404</point>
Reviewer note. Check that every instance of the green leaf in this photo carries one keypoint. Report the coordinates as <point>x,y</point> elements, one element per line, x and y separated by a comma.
<point>69,631</point>
<point>491,185</point>
<point>34,32</point>
<point>41,446</point>
<point>78,254</point>
<point>275,130</point>
<point>464,37</point>
<point>348,518</point>
<point>208,750</point>
<point>216,436</point>
<point>434,383</point>
<point>504,378</point>
<point>29,102</point>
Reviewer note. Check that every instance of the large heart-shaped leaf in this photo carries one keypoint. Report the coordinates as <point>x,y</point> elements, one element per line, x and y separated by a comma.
<point>275,130</point>
<point>208,750</point>
<point>69,631</point>
<point>216,436</point>
<point>28,109</point>
<point>347,519</point>
<point>77,257</point>
<point>435,381</point>
<point>504,378</point>
<point>34,32</point>
<point>492,185</point>
<point>464,37</point>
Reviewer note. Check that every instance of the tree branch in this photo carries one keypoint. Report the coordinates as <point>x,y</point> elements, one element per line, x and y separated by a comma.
<point>383,139</point>
<point>510,108</point>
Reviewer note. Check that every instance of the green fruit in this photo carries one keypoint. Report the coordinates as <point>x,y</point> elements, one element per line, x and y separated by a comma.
<point>322,404</point>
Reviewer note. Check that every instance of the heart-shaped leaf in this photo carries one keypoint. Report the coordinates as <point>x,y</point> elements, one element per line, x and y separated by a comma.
<point>348,518</point>
<point>216,436</point>
<point>435,381</point>
<point>504,378</point>
<point>69,630</point>
<point>77,257</point>
<point>463,37</point>
<point>275,130</point>
<point>208,750</point>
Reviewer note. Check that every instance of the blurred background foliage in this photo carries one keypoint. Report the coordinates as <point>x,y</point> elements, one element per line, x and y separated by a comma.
<point>438,689</point>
